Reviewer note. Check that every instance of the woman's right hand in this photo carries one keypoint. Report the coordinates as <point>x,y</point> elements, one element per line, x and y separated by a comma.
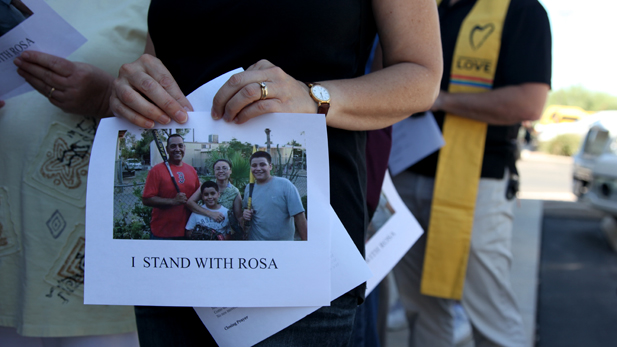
<point>145,93</point>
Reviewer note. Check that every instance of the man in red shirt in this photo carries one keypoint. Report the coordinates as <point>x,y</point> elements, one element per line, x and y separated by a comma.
<point>169,212</point>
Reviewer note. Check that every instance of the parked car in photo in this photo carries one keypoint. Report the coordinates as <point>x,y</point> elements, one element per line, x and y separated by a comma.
<point>595,165</point>
<point>131,165</point>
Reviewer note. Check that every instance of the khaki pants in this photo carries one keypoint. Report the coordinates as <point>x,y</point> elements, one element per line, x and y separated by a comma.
<point>487,297</point>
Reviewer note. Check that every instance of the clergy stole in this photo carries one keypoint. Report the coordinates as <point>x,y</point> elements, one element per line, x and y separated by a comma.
<point>460,160</point>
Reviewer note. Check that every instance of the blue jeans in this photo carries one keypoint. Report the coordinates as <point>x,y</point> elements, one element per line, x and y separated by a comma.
<point>329,326</point>
<point>365,326</point>
<point>171,326</point>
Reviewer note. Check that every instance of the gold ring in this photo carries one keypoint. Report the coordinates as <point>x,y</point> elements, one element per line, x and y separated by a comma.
<point>50,92</point>
<point>264,90</point>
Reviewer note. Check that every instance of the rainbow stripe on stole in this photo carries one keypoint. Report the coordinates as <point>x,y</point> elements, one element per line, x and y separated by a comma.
<point>460,160</point>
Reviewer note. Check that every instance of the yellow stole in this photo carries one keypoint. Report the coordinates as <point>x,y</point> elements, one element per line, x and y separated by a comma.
<point>460,160</point>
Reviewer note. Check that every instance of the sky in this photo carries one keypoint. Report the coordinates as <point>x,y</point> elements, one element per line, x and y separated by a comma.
<point>584,43</point>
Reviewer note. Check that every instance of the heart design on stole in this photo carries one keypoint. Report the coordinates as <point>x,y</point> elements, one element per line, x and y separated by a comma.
<point>479,34</point>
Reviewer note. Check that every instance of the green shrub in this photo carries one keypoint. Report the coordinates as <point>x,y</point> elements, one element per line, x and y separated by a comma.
<point>565,144</point>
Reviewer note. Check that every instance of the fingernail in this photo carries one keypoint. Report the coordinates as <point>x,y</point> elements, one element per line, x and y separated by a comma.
<point>181,117</point>
<point>236,120</point>
<point>187,109</point>
<point>17,61</point>
<point>149,124</point>
<point>25,55</point>
<point>214,114</point>
<point>164,119</point>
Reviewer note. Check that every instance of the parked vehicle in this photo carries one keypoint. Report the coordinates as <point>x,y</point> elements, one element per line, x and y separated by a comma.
<point>595,165</point>
<point>131,165</point>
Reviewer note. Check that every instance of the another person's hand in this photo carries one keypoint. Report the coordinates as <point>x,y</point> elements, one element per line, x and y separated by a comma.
<point>217,216</point>
<point>180,199</point>
<point>145,93</point>
<point>74,87</point>
<point>240,98</point>
<point>247,214</point>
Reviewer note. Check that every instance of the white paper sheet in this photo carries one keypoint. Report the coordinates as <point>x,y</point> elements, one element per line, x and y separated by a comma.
<point>393,239</point>
<point>237,327</point>
<point>43,31</point>
<point>413,139</point>
<point>124,272</point>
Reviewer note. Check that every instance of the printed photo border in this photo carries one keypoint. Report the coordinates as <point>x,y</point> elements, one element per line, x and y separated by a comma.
<point>284,273</point>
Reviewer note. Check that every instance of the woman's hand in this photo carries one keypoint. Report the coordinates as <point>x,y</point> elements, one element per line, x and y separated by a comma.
<point>239,99</point>
<point>145,92</point>
<point>72,86</point>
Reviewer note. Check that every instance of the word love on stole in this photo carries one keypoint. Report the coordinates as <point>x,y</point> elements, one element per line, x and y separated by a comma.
<point>206,263</point>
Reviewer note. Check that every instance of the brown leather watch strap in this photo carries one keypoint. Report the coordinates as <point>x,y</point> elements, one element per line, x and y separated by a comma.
<point>323,108</point>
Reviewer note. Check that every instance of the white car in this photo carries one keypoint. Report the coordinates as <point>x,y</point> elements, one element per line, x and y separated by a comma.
<point>132,164</point>
<point>595,165</point>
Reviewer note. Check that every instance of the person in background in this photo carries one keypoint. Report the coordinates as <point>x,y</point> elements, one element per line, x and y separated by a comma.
<point>497,72</point>
<point>46,136</point>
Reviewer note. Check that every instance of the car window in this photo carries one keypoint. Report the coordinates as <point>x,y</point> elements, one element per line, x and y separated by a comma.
<point>596,141</point>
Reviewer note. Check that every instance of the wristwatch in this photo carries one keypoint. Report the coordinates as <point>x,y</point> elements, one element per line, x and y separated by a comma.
<point>321,96</point>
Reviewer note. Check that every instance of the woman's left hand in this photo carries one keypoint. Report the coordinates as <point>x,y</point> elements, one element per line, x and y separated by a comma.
<point>240,98</point>
<point>74,87</point>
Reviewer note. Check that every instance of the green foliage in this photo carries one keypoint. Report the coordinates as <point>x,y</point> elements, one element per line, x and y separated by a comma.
<point>134,224</point>
<point>126,146</point>
<point>565,144</point>
<point>584,98</point>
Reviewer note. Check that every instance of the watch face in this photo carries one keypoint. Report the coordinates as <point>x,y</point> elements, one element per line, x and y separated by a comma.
<point>321,93</point>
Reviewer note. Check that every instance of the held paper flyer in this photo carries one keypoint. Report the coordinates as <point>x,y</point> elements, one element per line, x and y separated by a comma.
<point>135,258</point>
<point>242,326</point>
<point>392,232</point>
<point>31,25</point>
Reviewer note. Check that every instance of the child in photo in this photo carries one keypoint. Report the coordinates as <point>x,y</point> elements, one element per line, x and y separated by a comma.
<point>205,228</point>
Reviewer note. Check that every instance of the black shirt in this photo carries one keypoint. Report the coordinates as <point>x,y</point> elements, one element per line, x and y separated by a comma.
<point>525,57</point>
<point>311,41</point>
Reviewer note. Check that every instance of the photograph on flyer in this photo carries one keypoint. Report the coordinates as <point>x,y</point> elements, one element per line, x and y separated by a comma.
<point>170,186</point>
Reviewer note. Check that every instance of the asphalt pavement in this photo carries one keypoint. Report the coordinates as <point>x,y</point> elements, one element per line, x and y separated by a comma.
<point>564,273</point>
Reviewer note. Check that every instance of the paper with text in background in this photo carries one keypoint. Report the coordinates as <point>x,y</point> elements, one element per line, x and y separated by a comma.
<point>413,138</point>
<point>43,31</point>
<point>393,239</point>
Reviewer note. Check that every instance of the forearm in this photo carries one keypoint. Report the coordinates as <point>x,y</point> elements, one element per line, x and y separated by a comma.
<point>501,106</point>
<point>301,225</point>
<point>157,201</point>
<point>194,207</point>
<point>382,98</point>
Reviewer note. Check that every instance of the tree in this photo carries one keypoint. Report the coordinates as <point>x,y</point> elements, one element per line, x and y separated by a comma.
<point>584,98</point>
<point>126,145</point>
